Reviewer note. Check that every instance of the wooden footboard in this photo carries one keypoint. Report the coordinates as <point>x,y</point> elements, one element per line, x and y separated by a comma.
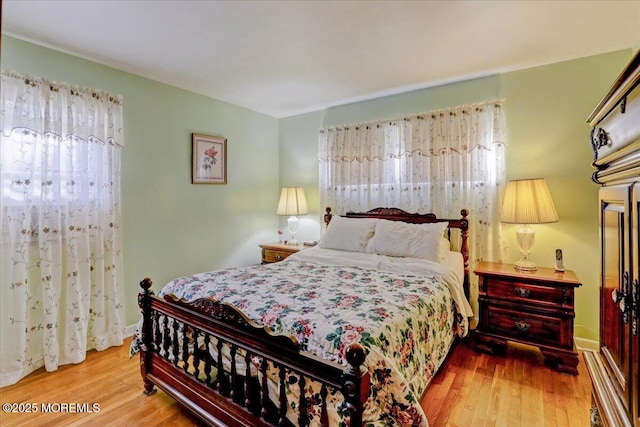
<point>182,353</point>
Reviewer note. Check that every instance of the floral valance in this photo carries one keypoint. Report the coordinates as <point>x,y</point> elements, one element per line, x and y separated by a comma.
<point>63,110</point>
<point>427,134</point>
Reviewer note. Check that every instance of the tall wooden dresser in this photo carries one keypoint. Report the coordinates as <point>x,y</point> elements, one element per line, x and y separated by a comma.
<point>615,140</point>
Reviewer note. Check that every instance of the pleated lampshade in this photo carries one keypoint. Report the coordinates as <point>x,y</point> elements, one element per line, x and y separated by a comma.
<point>528,201</point>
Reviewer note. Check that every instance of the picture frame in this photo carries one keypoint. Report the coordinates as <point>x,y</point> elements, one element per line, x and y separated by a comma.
<point>209,159</point>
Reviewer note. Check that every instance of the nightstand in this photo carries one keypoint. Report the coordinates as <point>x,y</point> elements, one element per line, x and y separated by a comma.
<point>274,252</point>
<point>533,307</point>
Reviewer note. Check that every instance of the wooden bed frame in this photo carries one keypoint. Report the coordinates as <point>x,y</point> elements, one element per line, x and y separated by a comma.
<point>170,360</point>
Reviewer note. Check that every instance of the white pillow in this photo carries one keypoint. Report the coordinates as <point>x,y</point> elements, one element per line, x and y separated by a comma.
<point>348,234</point>
<point>444,248</point>
<point>401,239</point>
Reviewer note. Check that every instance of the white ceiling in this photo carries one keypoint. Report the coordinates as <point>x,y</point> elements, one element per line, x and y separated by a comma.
<point>284,58</point>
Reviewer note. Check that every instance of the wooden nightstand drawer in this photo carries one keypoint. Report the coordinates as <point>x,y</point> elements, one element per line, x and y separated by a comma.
<point>524,292</point>
<point>275,252</point>
<point>274,255</point>
<point>524,326</point>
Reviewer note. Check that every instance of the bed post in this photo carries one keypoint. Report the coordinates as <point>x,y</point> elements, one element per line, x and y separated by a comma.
<point>327,216</point>
<point>356,384</point>
<point>144,302</point>
<point>464,250</point>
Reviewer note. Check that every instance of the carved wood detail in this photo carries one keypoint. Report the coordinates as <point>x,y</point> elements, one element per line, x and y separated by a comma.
<point>599,139</point>
<point>231,315</point>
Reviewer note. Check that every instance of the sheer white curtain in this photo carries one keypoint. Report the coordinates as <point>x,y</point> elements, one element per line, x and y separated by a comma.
<point>438,161</point>
<point>61,263</point>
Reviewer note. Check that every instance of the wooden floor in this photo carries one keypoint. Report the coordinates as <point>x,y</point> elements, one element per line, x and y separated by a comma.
<point>471,390</point>
<point>476,389</point>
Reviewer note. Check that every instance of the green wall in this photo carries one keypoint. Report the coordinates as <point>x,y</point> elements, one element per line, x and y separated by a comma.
<point>170,226</point>
<point>545,110</point>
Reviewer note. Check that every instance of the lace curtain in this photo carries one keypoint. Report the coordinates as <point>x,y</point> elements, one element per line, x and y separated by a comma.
<point>61,264</point>
<point>438,161</point>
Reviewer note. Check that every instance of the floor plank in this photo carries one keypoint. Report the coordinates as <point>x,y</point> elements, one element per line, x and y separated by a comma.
<point>472,389</point>
<point>108,378</point>
<point>513,390</point>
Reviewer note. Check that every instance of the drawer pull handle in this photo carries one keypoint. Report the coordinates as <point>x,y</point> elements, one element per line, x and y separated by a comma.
<point>522,292</point>
<point>279,257</point>
<point>522,326</point>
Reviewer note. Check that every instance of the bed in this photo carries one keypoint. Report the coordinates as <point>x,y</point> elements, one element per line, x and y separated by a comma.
<point>348,333</point>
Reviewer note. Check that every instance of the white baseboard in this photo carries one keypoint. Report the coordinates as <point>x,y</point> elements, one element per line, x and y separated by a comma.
<point>585,344</point>
<point>129,330</point>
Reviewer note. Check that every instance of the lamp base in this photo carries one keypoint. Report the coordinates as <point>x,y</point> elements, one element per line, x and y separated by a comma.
<point>525,265</point>
<point>526,238</point>
<point>292,223</point>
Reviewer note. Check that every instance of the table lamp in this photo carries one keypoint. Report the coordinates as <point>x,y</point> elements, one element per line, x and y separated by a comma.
<point>527,201</point>
<point>292,202</point>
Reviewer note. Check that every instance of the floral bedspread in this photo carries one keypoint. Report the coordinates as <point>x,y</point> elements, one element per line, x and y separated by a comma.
<point>407,322</point>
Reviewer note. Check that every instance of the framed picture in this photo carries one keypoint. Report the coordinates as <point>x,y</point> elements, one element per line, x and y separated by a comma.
<point>209,158</point>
